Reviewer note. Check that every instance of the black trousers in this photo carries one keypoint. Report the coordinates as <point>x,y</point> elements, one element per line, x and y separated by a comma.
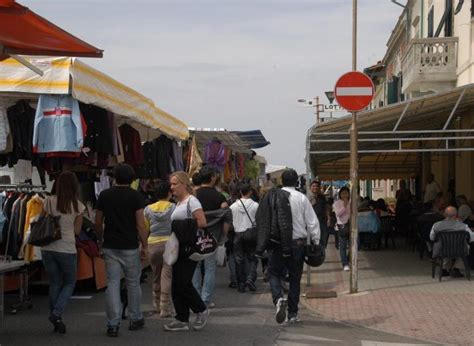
<point>245,260</point>
<point>185,296</point>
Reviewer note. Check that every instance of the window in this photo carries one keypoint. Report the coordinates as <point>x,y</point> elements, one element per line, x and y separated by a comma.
<point>431,22</point>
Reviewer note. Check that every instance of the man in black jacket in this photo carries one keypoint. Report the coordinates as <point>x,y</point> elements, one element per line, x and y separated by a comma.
<point>285,218</point>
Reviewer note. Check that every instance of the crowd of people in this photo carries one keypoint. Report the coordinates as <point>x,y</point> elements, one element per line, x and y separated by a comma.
<point>272,229</point>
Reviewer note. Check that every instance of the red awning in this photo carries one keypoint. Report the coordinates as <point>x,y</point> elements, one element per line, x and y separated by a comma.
<point>23,32</point>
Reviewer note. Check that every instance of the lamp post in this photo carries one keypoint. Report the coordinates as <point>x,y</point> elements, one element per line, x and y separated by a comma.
<point>313,103</point>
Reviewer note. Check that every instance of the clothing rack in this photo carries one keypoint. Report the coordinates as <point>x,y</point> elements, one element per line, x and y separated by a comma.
<point>24,302</point>
<point>18,187</point>
<point>22,187</point>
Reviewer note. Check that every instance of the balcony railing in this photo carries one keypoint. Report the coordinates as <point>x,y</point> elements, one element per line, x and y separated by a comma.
<point>429,60</point>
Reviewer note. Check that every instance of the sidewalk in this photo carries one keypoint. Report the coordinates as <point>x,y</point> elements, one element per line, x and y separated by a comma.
<point>397,295</point>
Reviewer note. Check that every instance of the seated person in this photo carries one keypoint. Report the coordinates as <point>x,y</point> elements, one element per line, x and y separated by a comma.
<point>367,220</point>
<point>425,221</point>
<point>464,210</point>
<point>381,208</point>
<point>450,223</point>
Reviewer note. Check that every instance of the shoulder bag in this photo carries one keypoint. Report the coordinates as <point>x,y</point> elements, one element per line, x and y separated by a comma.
<point>204,244</point>
<point>250,234</point>
<point>46,229</point>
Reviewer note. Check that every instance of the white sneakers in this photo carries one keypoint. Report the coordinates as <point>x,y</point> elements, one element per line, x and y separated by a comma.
<point>199,323</point>
<point>294,319</point>
<point>347,268</point>
<point>201,319</point>
<point>280,315</point>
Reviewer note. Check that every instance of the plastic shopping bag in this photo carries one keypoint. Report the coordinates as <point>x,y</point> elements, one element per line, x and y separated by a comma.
<point>220,256</point>
<point>170,256</point>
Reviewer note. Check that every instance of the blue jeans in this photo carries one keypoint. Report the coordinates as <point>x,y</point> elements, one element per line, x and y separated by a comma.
<point>343,243</point>
<point>207,290</point>
<point>61,269</point>
<point>128,262</point>
<point>277,268</point>
<point>246,262</point>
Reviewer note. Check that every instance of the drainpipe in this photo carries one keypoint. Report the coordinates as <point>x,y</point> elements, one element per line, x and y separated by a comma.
<point>422,17</point>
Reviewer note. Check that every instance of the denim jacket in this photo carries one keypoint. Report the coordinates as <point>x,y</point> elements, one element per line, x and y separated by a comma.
<point>58,126</point>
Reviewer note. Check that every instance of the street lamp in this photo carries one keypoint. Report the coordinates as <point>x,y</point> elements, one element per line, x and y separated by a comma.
<point>312,103</point>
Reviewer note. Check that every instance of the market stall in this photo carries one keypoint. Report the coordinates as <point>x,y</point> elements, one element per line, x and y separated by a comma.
<point>75,117</point>
<point>229,152</point>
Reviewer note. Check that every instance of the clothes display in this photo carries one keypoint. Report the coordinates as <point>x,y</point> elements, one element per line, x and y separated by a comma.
<point>21,119</point>
<point>99,130</point>
<point>214,155</point>
<point>57,125</point>
<point>132,146</point>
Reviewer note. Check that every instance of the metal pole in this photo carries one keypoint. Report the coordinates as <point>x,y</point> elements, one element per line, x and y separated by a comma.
<point>317,109</point>
<point>354,159</point>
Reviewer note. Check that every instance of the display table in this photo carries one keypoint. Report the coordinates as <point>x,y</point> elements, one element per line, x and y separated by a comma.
<point>6,267</point>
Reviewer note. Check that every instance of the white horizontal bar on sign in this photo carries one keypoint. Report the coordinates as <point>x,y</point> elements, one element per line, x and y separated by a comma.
<point>354,91</point>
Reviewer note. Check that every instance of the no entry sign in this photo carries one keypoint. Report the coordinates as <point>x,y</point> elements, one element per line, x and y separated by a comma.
<point>354,91</point>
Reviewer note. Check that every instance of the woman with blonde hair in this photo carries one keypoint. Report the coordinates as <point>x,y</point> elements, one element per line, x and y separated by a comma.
<point>185,297</point>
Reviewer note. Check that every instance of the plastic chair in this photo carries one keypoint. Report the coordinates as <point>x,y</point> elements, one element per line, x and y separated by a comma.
<point>387,230</point>
<point>453,245</point>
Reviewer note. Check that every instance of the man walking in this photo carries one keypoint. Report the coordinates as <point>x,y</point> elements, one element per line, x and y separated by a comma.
<point>285,218</point>
<point>121,208</point>
<point>319,203</point>
<point>213,202</point>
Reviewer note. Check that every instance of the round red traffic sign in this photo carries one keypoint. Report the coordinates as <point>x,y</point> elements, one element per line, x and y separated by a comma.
<point>354,91</point>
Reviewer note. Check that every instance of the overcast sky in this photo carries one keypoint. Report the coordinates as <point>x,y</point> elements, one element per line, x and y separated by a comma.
<point>234,64</point>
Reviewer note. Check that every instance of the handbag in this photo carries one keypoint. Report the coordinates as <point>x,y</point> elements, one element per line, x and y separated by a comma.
<point>250,234</point>
<point>170,256</point>
<point>45,229</point>
<point>344,230</point>
<point>203,245</point>
<point>314,254</point>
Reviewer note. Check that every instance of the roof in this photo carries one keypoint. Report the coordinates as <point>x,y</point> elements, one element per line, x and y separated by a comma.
<point>88,85</point>
<point>392,138</point>
<point>254,138</point>
<point>26,33</point>
<point>230,139</point>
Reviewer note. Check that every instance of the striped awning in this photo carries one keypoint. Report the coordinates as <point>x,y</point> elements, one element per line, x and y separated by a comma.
<point>88,85</point>
<point>255,139</point>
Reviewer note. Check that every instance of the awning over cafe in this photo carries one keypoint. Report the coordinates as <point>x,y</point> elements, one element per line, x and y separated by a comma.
<point>393,138</point>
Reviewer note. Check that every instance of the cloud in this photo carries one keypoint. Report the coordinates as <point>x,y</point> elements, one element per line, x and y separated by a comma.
<point>228,63</point>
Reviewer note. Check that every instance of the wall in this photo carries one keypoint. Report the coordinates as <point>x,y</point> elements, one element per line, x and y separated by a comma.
<point>464,163</point>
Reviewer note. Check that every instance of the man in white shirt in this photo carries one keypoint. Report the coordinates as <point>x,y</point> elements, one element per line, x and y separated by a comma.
<point>431,190</point>
<point>305,223</point>
<point>451,223</point>
<point>243,216</point>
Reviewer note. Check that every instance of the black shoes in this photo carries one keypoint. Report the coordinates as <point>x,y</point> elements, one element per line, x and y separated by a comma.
<point>241,288</point>
<point>233,285</point>
<point>112,331</point>
<point>59,326</point>
<point>251,286</point>
<point>136,325</point>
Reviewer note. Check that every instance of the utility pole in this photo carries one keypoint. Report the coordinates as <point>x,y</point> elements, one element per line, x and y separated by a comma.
<point>316,111</point>
<point>353,165</point>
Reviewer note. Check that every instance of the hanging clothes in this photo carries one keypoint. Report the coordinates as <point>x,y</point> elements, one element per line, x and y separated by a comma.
<point>57,125</point>
<point>132,146</point>
<point>150,161</point>
<point>252,169</point>
<point>102,184</point>
<point>177,156</point>
<point>214,155</point>
<point>228,166</point>
<point>34,209</point>
<point>164,153</point>
<point>4,127</point>
<point>195,161</point>
<point>99,133</point>
<point>21,118</point>
<point>240,165</point>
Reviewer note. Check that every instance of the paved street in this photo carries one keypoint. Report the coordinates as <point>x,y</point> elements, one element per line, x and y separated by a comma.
<point>398,295</point>
<point>238,319</point>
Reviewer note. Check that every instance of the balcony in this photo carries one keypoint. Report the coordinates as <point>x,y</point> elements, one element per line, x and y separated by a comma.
<point>430,65</point>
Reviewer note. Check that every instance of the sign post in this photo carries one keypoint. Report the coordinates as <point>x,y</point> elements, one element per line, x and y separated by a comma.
<point>354,91</point>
